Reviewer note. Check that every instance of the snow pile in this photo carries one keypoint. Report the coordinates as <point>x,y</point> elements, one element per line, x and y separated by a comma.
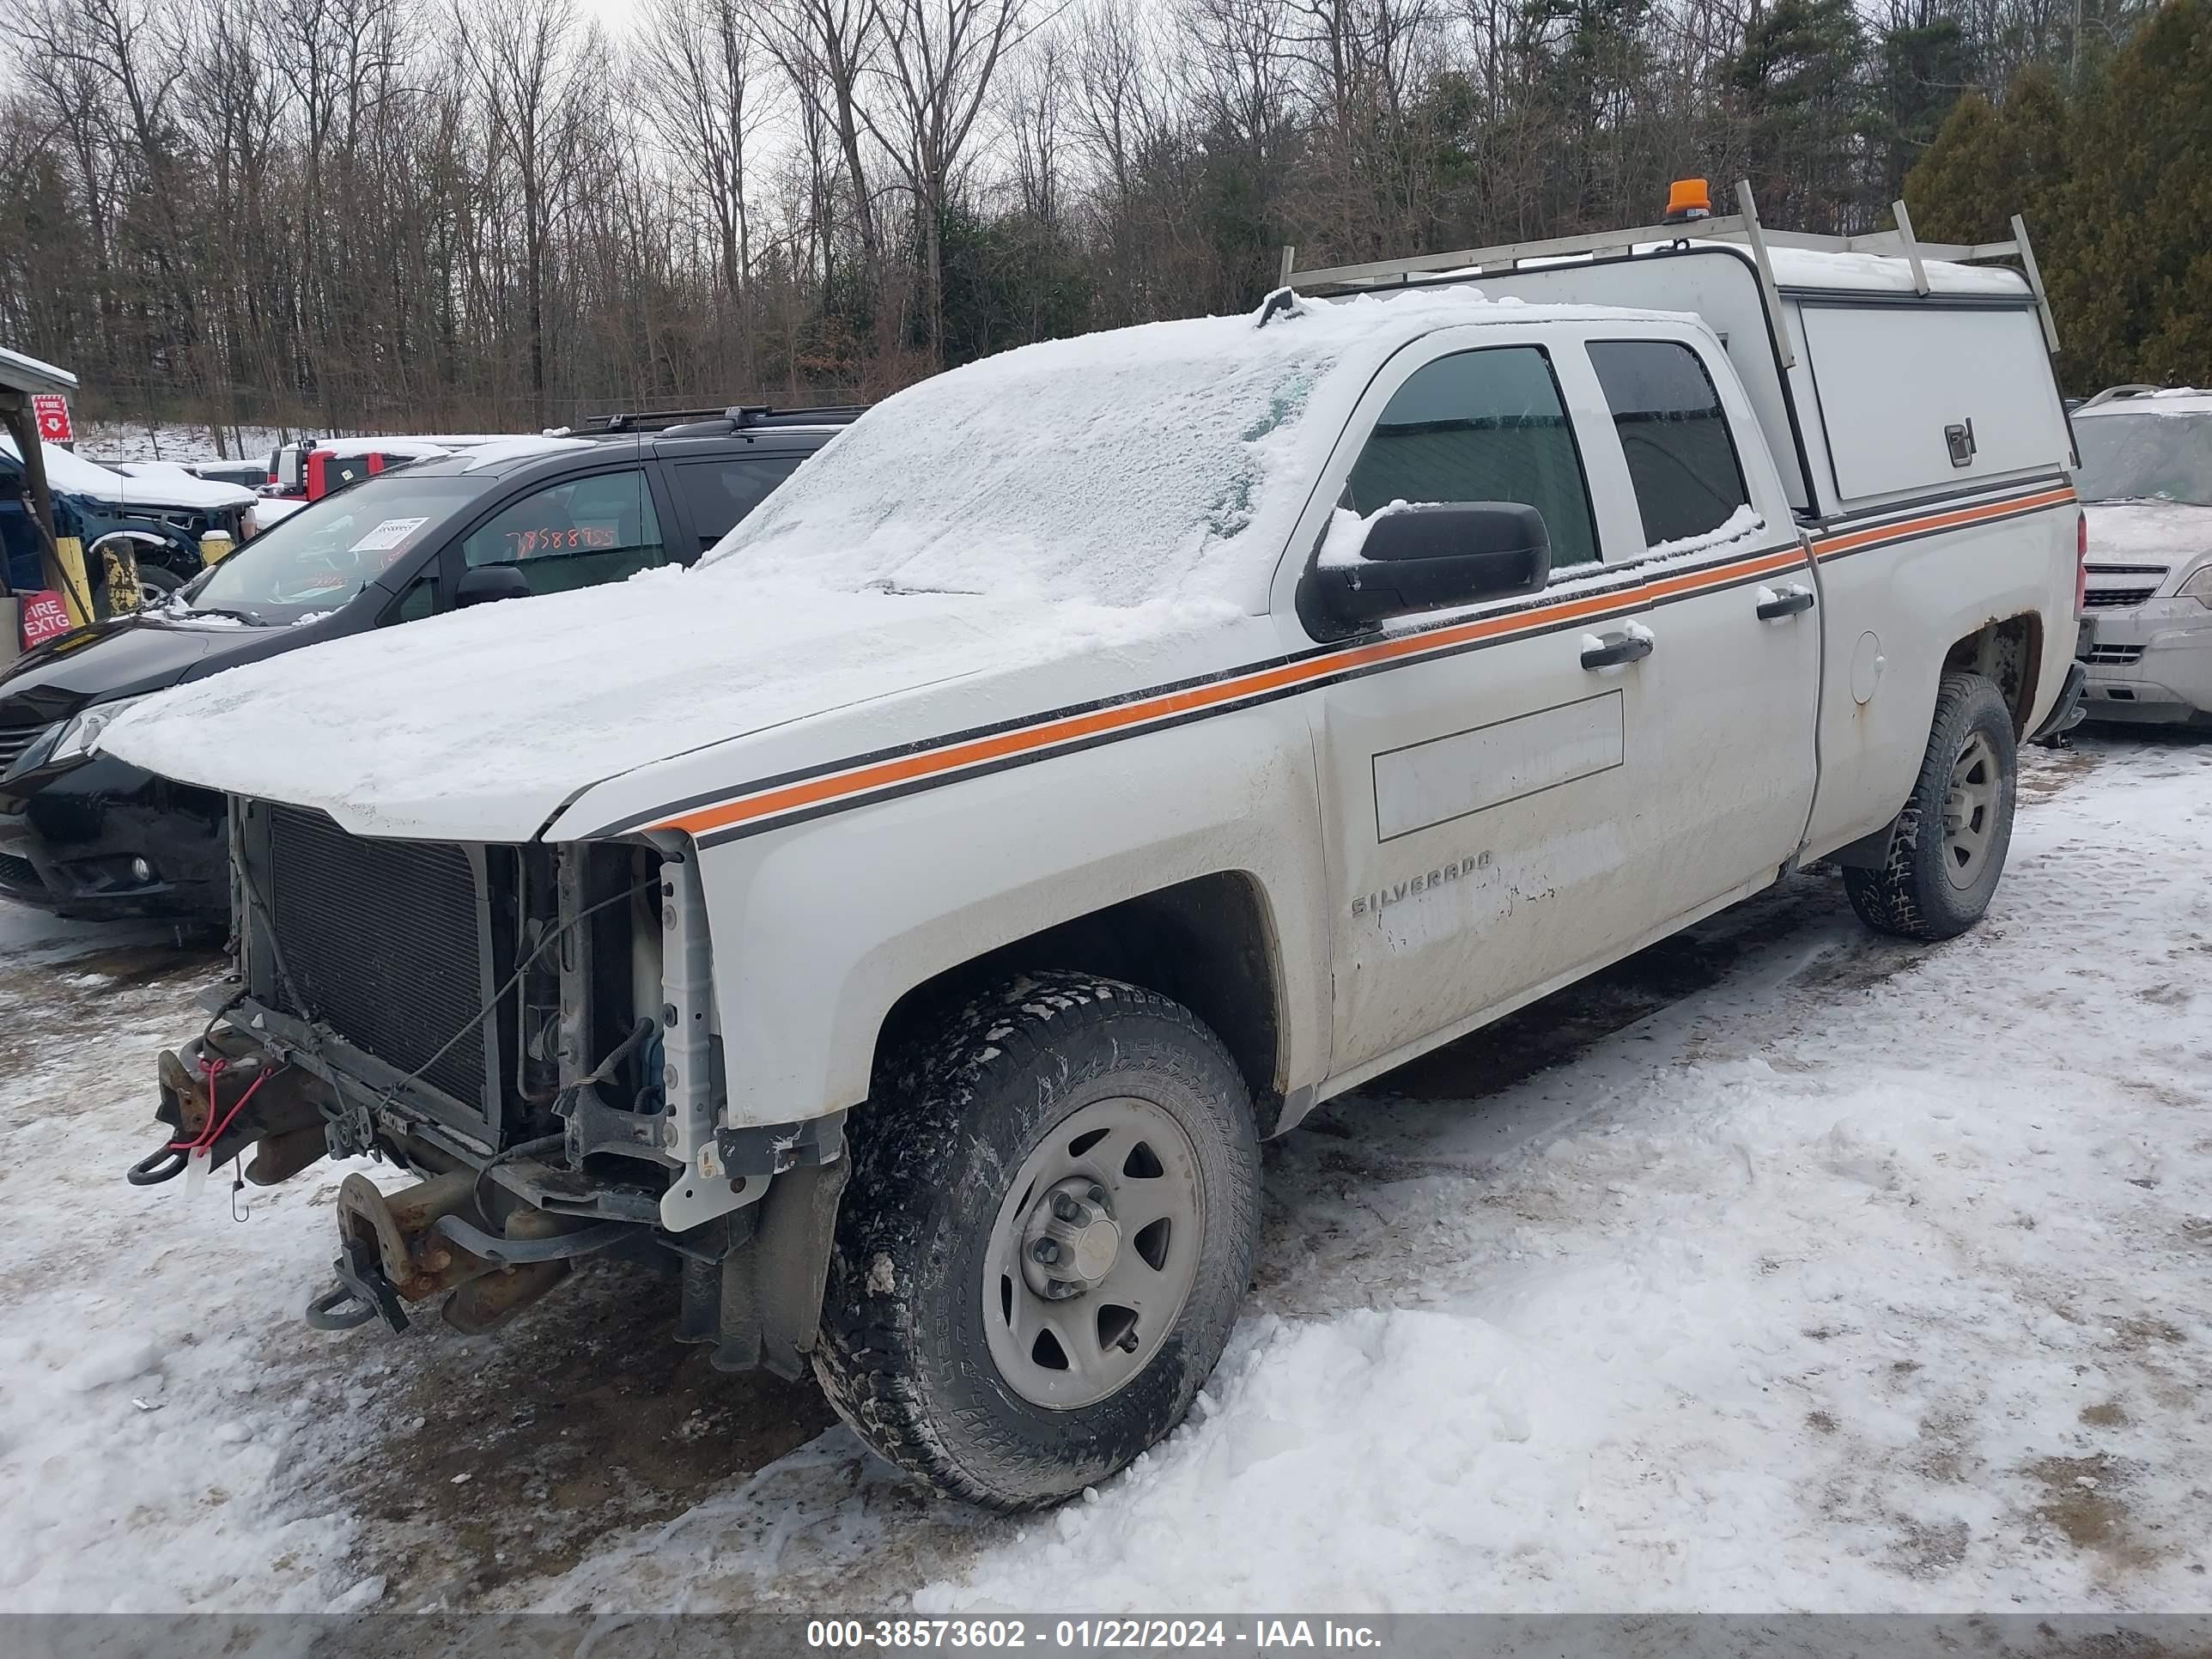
<point>1801,267</point>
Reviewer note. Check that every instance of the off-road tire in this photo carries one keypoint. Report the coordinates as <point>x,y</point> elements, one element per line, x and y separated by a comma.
<point>903,1355</point>
<point>1912,895</point>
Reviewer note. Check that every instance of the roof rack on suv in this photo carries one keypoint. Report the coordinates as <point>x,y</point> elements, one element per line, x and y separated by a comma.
<point>2112,394</point>
<point>701,421</point>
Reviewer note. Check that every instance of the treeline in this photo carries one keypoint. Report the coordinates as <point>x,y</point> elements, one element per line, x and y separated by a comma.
<point>489,213</point>
<point>2116,181</point>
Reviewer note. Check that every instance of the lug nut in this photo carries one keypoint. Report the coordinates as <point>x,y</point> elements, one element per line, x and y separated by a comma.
<point>1097,1194</point>
<point>1047,1251</point>
<point>1064,1208</point>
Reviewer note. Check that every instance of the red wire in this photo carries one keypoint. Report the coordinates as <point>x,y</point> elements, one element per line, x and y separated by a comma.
<point>208,1138</point>
<point>214,1068</point>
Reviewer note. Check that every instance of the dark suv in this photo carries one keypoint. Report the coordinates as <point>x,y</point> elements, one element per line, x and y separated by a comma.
<point>85,835</point>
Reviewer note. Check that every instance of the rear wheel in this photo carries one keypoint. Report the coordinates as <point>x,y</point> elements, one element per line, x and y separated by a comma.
<point>1948,848</point>
<point>1045,1240</point>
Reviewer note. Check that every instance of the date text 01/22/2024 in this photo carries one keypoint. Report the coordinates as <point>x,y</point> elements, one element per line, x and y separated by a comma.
<point>1139,1633</point>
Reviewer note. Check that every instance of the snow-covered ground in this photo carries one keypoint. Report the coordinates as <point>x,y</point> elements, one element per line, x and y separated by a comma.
<point>170,440</point>
<point>1781,1268</point>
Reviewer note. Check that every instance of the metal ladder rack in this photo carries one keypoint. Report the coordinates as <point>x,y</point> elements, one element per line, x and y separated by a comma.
<point>1742,228</point>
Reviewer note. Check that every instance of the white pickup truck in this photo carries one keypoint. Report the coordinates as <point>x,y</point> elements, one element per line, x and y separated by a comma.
<point>909,922</point>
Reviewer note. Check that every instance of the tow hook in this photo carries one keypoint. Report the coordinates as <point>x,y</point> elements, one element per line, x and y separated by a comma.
<point>410,1244</point>
<point>165,1163</point>
<point>361,1293</point>
<point>224,1102</point>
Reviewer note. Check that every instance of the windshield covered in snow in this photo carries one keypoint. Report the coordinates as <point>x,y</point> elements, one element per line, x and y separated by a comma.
<point>326,553</point>
<point>2146,456</point>
<point>1163,462</point>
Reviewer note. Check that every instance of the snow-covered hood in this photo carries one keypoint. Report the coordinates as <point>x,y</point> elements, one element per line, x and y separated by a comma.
<point>2154,532</point>
<point>183,491</point>
<point>482,725</point>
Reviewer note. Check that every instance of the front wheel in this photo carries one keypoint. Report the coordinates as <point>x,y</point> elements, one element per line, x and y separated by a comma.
<point>156,586</point>
<point>1045,1240</point>
<point>1948,847</point>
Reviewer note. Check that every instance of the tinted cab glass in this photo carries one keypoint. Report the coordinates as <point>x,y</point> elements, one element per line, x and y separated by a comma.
<point>1487,425</point>
<point>1682,456</point>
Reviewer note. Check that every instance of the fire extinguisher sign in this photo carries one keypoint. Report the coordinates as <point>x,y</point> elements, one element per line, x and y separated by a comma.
<point>51,410</point>
<point>44,618</point>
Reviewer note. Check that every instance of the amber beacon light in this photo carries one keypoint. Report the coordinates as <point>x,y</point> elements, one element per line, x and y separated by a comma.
<point>1688,198</point>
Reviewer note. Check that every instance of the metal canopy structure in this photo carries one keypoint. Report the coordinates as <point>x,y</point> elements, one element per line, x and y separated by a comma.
<point>1741,227</point>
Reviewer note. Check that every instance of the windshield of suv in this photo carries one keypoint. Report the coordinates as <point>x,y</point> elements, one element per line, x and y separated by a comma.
<point>2145,457</point>
<point>326,553</point>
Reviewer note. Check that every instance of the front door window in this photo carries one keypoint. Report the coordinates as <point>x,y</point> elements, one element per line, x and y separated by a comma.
<point>578,533</point>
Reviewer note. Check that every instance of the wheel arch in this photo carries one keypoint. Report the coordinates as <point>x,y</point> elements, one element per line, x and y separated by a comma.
<point>2009,652</point>
<point>1210,942</point>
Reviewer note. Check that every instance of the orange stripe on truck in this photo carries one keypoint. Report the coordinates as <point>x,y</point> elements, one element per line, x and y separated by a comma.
<point>960,754</point>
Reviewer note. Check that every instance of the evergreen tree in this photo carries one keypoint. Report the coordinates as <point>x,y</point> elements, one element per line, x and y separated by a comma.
<point>2137,281</point>
<point>1926,63</point>
<point>1800,84</point>
<point>1988,164</point>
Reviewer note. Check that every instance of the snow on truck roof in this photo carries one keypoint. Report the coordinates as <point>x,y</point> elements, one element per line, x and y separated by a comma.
<point>1113,467</point>
<point>1817,268</point>
<point>71,473</point>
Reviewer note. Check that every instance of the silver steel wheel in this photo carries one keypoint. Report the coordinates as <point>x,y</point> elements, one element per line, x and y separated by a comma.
<point>1093,1253</point>
<point>1970,812</point>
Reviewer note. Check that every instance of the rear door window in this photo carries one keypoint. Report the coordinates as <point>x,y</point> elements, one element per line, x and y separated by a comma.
<point>1480,425</point>
<point>717,494</point>
<point>1682,456</point>
<point>577,533</point>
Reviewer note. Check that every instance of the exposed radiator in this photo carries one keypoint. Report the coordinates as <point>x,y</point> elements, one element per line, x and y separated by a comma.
<point>384,939</point>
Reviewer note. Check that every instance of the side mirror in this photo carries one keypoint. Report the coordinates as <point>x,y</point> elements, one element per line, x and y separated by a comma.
<point>488,582</point>
<point>1419,556</point>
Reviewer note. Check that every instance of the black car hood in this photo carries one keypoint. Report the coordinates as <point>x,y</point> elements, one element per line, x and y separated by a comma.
<point>123,659</point>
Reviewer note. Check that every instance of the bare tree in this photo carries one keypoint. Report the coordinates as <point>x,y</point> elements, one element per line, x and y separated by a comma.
<point>826,49</point>
<point>707,54</point>
<point>938,58</point>
<point>527,62</point>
